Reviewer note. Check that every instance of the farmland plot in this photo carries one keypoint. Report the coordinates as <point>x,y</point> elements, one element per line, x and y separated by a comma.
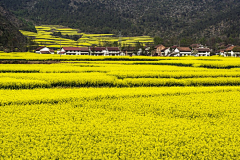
<point>119,108</point>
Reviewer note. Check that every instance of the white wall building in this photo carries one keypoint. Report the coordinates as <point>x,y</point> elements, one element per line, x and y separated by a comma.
<point>98,51</point>
<point>44,50</point>
<point>182,51</point>
<point>202,52</point>
<point>70,51</point>
<point>165,52</point>
<point>113,51</point>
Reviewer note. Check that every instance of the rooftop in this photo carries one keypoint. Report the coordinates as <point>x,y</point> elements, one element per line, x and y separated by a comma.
<point>71,48</point>
<point>184,49</point>
<point>39,48</point>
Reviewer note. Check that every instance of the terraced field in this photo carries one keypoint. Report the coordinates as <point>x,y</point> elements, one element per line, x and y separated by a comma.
<point>83,107</point>
<point>44,37</point>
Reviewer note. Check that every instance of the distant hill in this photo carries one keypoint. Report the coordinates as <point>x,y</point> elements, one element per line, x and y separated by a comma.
<point>164,18</point>
<point>18,22</point>
<point>11,39</point>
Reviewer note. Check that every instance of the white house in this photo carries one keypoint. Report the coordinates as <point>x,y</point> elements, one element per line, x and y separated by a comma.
<point>181,51</point>
<point>70,51</point>
<point>39,48</point>
<point>229,51</point>
<point>122,54</point>
<point>113,51</point>
<point>202,52</point>
<point>236,51</point>
<point>166,51</point>
<point>44,50</point>
<point>98,51</point>
<point>84,50</point>
<point>220,52</point>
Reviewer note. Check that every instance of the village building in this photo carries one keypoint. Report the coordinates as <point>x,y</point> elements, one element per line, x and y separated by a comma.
<point>202,52</point>
<point>181,51</point>
<point>165,52</point>
<point>69,51</point>
<point>195,46</point>
<point>236,51</point>
<point>158,50</point>
<point>129,51</point>
<point>229,51</point>
<point>173,47</point>
<point>44,50</point>
<point>113,51</point>
<point>220,52</point>
<point>98,51</point>
<point>39,48</point>
<point>84,50</point>
<point>147,49</point>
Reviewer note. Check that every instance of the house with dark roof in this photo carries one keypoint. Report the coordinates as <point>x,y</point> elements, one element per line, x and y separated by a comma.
<point>130,51</point>
<point>74,51</point>
<point>173,47</point>
<point>236,51</point>
<point>70,51</point>
<point>229,51</point>
<point>194,46</point>
<point>44,50</point>
<point>202,52</point>
<point>166,51</point>
<point>39,48</point>
<point>113,51</point>
<point>220,52</point>
<point>98,51</point>
<point>181,51</point>
<point>84,50</point>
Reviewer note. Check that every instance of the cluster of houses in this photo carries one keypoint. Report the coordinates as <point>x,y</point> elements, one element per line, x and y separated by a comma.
<point>159,50</point>
<point>95,51</point>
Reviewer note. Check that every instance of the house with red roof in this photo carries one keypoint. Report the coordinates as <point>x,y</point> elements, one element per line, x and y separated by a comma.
<point>74,51</point>
<point>129,51</point>
<point>84,50</point>
<point>194,46</point>
<point>236,51</point>
<point>113,51</point>
<point>158,50</point>
<point>44,50</point>
<point>229,51</point>
<point>70,51</point>
<point>97,51</point>
<point>202,52</point>
<point>181,51</point>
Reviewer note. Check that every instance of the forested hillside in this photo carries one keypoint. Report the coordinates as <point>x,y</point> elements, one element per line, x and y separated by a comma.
<point>172,19</point>
<point>10,37</point>
<point>18,22</point>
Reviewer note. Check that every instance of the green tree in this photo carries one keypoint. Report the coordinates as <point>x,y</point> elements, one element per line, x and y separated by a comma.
<point>157,40</point>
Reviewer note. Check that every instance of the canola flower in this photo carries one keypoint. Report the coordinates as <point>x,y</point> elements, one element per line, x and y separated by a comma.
<point>127,125</point>
<point>116,108</point>
<point>44,37</point>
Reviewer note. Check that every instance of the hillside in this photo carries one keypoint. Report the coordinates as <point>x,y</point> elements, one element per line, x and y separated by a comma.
<point>18,22</point>
<point>10,37</point>
<point>164,18</point>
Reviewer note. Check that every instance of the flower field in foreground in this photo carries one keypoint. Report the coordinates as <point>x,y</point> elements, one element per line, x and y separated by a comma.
<point>115,124</point>
<point>128,109</point>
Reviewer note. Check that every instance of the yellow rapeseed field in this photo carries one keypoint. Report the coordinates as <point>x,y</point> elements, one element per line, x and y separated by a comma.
<point>84,107</point>
<point>44,37</point>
